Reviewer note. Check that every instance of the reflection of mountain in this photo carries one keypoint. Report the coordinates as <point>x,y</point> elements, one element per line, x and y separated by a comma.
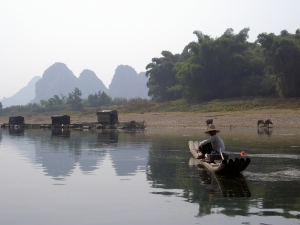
<point>130,155</point>
<point>56,162</point>
<point>63,150</point>
<point>127,160</point>
<point>60,151</point>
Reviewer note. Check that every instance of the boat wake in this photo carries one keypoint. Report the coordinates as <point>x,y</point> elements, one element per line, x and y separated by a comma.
<point>282,156</point>
<point>285,175</point>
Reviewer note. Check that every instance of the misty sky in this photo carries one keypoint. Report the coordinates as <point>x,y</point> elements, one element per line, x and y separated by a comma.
<point>101,34</point>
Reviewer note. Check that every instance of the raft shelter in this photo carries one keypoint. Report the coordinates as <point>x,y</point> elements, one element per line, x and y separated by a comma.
<point>16,120</point>
<point>107,117</point>
<point>60,119</point>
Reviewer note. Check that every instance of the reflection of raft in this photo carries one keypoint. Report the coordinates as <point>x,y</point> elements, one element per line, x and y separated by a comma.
<point>218,165</point>
<point>227,186</point>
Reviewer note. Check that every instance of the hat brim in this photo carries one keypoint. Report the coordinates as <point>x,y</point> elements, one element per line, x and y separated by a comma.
<point>207,132</point>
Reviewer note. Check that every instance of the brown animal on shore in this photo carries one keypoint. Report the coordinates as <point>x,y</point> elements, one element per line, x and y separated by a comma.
<point>268,122</point>
<point>260,122</point>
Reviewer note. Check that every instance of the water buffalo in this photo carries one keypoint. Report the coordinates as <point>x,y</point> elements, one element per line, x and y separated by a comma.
<point>268,122</point>
<point>209,121</point>
<point>260,122</point>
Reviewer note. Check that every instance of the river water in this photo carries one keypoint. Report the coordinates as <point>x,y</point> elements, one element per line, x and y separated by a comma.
<point>145,177</point>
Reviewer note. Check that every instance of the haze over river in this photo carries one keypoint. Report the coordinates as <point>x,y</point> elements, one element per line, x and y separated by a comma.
<point>144,177</point>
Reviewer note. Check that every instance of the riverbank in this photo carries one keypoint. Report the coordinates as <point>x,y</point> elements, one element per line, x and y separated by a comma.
<point>279,117</point>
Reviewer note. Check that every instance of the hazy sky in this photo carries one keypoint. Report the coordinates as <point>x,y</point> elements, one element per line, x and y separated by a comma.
<point>101,34</point>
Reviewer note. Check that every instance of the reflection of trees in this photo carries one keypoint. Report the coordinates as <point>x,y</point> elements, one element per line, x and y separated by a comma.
<point>166,164</point>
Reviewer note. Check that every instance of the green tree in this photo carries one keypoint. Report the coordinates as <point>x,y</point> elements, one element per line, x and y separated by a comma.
<point>283,54</point>
<point>216,68</point>
<point>75,100</point>
<point>162,76</point>
<point>100,99</point>
<point>54,103</point>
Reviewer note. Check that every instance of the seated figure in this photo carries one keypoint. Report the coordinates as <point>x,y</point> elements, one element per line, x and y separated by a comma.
<point>213,145</point>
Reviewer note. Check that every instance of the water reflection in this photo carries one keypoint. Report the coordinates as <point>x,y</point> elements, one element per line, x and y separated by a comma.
<point>60,151</point>
<point>66,149</point>
<point>108,136</point>
<point>221,186</point>
<point>16,131</point>
<point>156,164</point>
<point>130,154</point>
<point>265,131</point>
<point>61,133</point>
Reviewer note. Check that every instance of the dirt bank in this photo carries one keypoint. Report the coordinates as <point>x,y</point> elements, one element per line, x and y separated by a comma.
<point>280,118</point>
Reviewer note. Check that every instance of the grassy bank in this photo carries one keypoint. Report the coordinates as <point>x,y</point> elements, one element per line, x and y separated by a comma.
<point>219,105</point>
<point>223,105</point>
<point>228,112</point>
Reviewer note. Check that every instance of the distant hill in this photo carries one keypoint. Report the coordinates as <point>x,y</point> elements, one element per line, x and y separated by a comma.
<point>126,83</point>
<point>59,80</point>
<point>23,96</point>
<point>89,83</point>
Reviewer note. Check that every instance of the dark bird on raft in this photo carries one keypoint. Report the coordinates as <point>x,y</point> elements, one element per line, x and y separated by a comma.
<point>209,121</point>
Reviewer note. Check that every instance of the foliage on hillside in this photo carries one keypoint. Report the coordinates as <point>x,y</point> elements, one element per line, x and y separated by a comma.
<point>228,67</point>
<point>219,105</point>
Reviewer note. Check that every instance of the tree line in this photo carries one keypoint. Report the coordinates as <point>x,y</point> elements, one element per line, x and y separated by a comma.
<point>73,101</point>
<point>228,67</point>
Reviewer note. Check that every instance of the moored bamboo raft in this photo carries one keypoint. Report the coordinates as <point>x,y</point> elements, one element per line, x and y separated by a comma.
<point>216,164</point>
<point>134,125</point>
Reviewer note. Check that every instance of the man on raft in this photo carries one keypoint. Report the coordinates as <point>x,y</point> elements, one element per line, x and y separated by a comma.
<point>216,142</point>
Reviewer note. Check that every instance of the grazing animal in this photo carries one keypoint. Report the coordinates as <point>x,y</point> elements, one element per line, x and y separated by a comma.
<point>209,121</point>
<point>268,122</point>
<point>260,122</point>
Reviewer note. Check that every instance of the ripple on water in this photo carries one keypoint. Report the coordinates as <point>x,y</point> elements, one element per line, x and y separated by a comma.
<point>285,175</point>
<point>282,156</point>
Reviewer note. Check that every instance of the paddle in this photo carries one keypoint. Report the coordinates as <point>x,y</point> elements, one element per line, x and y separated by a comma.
<point>221,154</point>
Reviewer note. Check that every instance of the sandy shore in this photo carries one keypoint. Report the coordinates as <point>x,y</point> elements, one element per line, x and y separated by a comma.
<point>280,118</point>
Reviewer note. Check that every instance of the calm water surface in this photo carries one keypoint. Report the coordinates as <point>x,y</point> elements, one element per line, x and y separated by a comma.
<point>145,177</point>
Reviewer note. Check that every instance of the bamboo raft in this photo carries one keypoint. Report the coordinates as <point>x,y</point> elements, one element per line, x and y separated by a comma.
<point>217,164</point>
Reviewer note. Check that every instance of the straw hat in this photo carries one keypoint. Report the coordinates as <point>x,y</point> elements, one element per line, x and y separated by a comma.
<point>210,128</point>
